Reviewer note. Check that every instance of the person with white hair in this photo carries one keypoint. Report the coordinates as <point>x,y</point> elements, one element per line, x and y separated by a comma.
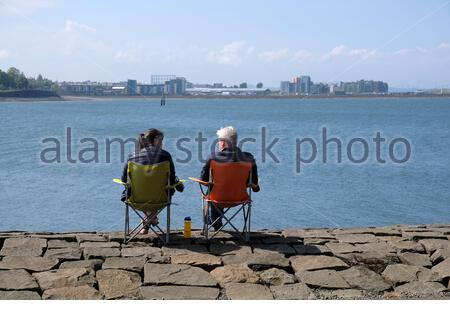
<point>228,151</point>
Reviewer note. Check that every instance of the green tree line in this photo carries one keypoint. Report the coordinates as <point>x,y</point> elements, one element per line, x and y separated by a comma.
<point>14,79</point>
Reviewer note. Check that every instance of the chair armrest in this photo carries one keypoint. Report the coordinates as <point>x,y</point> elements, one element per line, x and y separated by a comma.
<point>118,181</point>
<point>200,181</point>
<point>176,184</point>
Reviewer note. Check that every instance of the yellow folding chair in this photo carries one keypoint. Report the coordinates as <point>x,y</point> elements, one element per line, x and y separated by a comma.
<point>147,190</point>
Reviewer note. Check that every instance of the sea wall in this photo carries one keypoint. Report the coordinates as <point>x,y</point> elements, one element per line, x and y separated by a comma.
<point>395,262</point>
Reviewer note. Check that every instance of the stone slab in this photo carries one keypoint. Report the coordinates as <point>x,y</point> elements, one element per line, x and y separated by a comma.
<point>443,268</point>
<point>276,277</point>
<point>64,253</point>
<point>178,293</point>
<point>99,244</point>
<point>238,273</point>
<point>25,242</point>
<point>17,280</point>
<point>432,245</point>
<point>70,277</point>
<point>297,291</point>
<point>311,249</point>
<point>118,284</point>
<point>356,238</point>
<point>247,291</point>
<point>360,277</point>
<point>328,279</point>
<point>421,289</point>
<point>202,260</point>
<point>72,293</point>
<point>310,263</point>
<point>28,263</point>
<point>177,274</point>
<point>93,264</point>
<point>57,244</point>
<point>135,264</point>
<point>22,252</point>
<point>415,259</point>
<point>19,295</point>
<point>93,253</point>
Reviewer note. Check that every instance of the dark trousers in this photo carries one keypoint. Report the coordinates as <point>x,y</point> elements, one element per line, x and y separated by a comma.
<point>215,213</point>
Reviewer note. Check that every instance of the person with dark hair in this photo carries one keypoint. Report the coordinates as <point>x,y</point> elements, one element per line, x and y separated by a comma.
<point>150,152</point>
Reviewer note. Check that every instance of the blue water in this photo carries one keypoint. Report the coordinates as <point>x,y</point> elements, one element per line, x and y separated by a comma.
<point>66,196</point>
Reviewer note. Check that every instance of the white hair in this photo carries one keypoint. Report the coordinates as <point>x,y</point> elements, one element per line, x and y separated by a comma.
<point>228,134</point>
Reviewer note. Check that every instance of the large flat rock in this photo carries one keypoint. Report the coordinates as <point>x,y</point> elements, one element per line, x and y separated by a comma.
<point>92,252</point>
<point>282,248</point>
<point>360,277</point>
<point>421,289</point>
<point>415,259</point>
<point>407,245</point>
<point>258,260</point>
<point>28,263</point>
<point>309,263</point>
<point>440,255</point>
<point>118,284</point>
<point>297,291</point>
<point>400,273</point>
<point>228,248</point>
<point>93,264</point>
<point>312,249</point>
<point>202,260</point>
<point>339,247</point>
<point>238,273</point>
<point>99,244</point>
<point>177,274</point>
<point>423,235</point>
<point>345,294</point>
<point>65,278</point>
<point>356,238</point>
<point>443,268</point>
<point>22,252</point>
<point>247,291</point>
<point>19,295</point>
<point>70,253</point>
<point>72,293</point>
<point>146,251</point>
<point>178,293</point>
<point>57,244</point>
<point>17,280</point>
<point>177,250</point>
<point>276,277</point>
<point>432,245</point>
<point>25,242</point>
<point>328,279</point>
<point>135,264</point>
<point>91,237</point>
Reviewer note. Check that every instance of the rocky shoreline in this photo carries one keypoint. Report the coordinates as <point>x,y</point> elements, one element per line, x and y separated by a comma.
<point>395,262</point>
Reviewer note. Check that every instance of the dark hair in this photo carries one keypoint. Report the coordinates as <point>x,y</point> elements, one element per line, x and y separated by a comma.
<point>148,137</point>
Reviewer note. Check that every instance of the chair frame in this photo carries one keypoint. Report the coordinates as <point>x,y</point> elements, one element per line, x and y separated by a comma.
<point>164,236</point>
<point>245,207</point>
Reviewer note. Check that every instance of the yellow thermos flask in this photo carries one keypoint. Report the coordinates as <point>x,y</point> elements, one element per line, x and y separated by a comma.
<point>187,227</point>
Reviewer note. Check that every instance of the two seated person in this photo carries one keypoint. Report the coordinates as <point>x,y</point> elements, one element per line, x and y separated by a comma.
<point>152,152</point>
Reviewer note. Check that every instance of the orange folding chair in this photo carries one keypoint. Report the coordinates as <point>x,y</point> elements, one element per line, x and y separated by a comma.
<point>229,186</point>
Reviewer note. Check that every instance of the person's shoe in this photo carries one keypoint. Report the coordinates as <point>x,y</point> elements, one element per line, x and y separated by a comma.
<point>143,231</point>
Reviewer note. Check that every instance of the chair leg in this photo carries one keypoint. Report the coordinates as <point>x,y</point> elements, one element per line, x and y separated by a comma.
<point>249,217</point>
<point>168,224</point>
<point>127,224</point>
<point>205,219</point>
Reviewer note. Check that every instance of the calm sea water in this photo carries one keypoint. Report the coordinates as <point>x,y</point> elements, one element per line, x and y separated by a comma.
<point>66,196</point>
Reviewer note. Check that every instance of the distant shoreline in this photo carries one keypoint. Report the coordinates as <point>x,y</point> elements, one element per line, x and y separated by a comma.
<point>216,97</point>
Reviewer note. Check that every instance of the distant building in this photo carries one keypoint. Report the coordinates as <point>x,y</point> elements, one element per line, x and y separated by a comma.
<point>161,78</point>
<point>131,87</point>
<point>284,87</point>
<point>218,85</point>
<point>175,86</point>
<point>305,85</point>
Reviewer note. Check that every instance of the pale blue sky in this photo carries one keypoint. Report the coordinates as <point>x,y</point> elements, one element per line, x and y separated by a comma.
<point>406,43</point>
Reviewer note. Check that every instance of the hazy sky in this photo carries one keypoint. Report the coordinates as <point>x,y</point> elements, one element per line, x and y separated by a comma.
<point>406,43</point>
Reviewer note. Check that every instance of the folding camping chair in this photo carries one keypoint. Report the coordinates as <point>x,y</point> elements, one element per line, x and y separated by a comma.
<point>229,186</point>
<point>150,192</point>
